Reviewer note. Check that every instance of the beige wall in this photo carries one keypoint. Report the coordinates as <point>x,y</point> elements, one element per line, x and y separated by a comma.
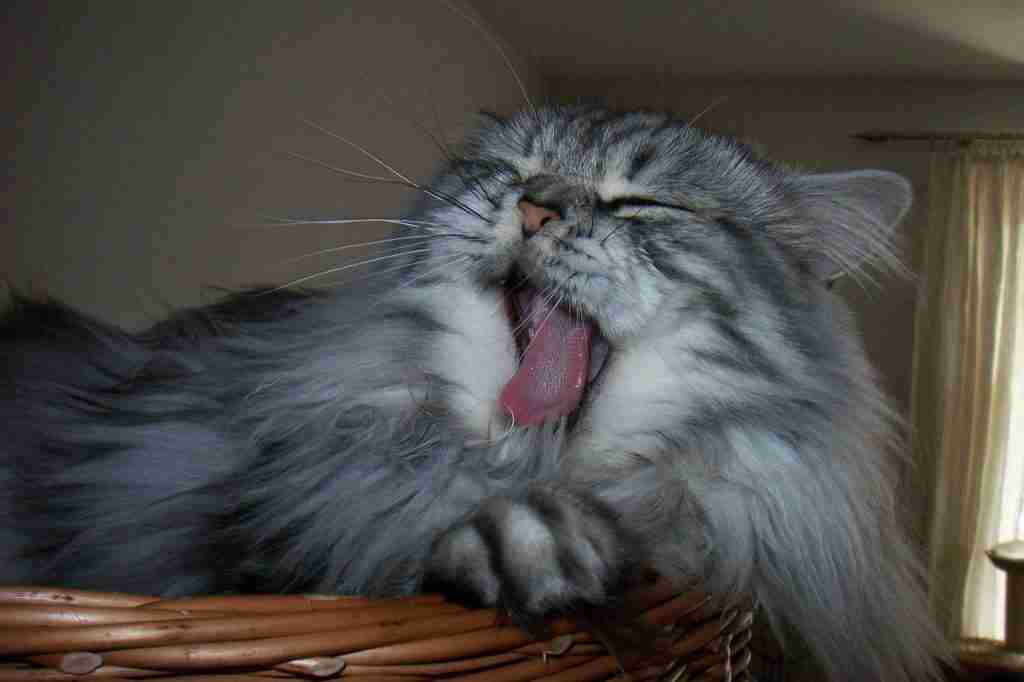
<point>144,132</point>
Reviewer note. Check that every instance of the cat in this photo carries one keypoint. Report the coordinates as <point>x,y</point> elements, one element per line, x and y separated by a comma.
<point>607,341</point>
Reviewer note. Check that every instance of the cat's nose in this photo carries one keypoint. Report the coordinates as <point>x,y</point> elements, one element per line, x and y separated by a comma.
<point>534,217</point>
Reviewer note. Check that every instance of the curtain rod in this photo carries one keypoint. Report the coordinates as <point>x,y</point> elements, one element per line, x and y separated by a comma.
<point>958,135</point>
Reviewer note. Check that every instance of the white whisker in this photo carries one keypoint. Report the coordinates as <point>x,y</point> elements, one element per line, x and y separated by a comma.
<point>402,181</point>
<point>341,268</point>
<point>345,171</point>
<point>494,440</point>
<point>442,140</point>
<point>705,110</point>
<point>346,247</point>
<point>434,270</point>
<point>355,145</point>
<point>547,295</point>
<point>273,221</point>
<point>440,261</point>
<point>545,320</point>
<point>508,291</point>
<point>497,45</point>
<point>438,140</point>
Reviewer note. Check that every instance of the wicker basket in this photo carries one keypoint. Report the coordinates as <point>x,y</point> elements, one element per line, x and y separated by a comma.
<point>61,634</point>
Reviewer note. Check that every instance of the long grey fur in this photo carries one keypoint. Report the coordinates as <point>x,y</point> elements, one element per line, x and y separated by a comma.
<point>351,441</point>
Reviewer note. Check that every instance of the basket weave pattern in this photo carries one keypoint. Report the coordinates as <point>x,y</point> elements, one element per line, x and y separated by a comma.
<point>49,634</point>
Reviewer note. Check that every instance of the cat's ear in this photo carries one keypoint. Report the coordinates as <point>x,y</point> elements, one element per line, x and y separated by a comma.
<point>847,221</point>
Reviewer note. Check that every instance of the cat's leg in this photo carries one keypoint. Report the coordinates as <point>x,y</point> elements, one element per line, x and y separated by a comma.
<point>548,550</point>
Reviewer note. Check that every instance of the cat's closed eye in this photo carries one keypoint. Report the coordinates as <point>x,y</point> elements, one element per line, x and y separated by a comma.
<point>644,209</point>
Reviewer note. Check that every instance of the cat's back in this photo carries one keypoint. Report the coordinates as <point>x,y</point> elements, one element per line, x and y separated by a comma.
<point>104,431</point>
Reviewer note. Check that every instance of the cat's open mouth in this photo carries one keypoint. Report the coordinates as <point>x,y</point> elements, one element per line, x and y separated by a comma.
<point>561,353</point>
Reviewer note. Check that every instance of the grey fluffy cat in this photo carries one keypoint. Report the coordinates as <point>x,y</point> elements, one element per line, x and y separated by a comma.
<point>611,344</point>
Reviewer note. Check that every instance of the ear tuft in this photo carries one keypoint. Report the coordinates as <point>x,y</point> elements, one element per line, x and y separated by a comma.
<point>848,220</point>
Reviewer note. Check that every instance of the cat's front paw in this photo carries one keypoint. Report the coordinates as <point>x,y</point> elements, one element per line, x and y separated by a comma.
<point>547,551</point>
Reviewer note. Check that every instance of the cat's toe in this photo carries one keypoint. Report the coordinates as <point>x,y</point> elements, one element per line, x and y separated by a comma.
<point>548,551</point>
<point>460,567</point>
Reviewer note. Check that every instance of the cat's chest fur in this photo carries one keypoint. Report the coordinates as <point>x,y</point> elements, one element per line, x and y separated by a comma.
<point>475,354</point>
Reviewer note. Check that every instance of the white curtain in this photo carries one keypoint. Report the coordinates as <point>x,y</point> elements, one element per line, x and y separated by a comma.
<point>968,396</point>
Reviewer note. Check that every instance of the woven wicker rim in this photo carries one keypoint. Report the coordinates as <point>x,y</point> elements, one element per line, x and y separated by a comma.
<point>51,634</point>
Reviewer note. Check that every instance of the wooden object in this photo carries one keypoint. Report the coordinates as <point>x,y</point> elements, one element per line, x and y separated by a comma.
<point>1009,557</point>
<point>49,634</point>
<point>983,658</point>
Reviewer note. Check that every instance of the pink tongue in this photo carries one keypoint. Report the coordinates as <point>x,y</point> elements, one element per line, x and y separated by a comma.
<point>553,371</point>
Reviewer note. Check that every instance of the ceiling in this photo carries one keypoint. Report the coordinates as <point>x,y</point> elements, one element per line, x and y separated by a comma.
<point>753,39</point>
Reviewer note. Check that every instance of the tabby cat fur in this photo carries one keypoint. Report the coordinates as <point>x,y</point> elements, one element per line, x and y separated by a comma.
<point>362,440</point>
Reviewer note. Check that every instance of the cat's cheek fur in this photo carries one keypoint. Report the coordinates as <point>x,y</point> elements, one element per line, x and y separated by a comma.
<point>475,355</point>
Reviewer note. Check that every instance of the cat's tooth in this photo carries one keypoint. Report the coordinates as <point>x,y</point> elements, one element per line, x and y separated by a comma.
<point>598,356</point>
